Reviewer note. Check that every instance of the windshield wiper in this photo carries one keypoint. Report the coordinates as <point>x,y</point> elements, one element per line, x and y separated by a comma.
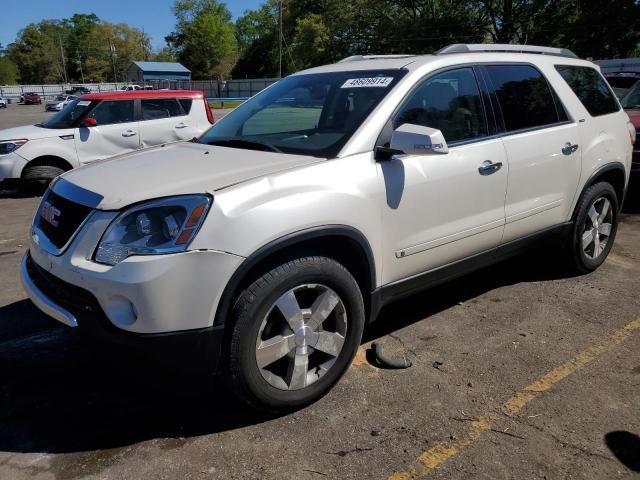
<point>244,143</point>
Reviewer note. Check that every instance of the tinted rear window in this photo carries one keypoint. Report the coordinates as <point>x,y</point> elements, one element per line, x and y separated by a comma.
<point>525,98</point>
<point>590,88</point>
<point>186,104</point>
<point>160,108</point>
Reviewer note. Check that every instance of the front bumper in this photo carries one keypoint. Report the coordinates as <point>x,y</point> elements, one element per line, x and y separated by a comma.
<point>11,165</point>
<point>142,294</point>
<point>78,308</point>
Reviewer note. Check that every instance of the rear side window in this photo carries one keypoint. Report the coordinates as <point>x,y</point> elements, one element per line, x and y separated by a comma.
<point>154,109</point>
<point>525,98</point>
<point>186,104</point>
<point>113,111</point>
<point>590,88</point>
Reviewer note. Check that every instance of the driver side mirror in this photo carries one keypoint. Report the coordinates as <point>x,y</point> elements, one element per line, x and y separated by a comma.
<point>89,122</point>
<point>418,140</point>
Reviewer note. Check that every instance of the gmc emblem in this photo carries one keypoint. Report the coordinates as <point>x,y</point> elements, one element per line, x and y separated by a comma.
<point>50,213</point>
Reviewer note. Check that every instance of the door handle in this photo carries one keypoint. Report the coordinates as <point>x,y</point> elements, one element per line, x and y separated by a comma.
<point>568,148</point>
<point>129,133</point>
<point>488,167</point>
<point>182,125</point>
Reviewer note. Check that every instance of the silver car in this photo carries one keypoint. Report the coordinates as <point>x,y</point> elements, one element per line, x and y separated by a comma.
<point>59,102</point>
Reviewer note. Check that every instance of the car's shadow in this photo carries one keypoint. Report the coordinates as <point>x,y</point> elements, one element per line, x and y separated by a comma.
<point>58,395</point>
<point>13,189</point>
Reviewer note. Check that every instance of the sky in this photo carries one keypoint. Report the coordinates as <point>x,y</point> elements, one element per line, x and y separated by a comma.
<point>154,16</point>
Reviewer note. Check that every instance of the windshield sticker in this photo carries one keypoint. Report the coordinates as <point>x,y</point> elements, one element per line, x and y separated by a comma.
<point>84,103</point>
<point>367,82</point>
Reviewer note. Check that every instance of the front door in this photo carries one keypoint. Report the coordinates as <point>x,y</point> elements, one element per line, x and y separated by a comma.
<point>116,132</point>
<point>443,207</point>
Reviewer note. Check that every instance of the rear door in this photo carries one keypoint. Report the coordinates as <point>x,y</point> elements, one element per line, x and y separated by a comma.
<point>116,131</point>
<point>164,120</point>
<point>542,146</point>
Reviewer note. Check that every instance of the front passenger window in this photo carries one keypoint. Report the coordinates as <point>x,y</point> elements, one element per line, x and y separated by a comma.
<point>450,102</point>
<point>110,112</point>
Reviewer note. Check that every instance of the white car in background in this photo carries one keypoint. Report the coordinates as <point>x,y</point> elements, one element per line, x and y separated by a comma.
<point>4,102</point>
<point>59,102</point>
<point>98,126</point>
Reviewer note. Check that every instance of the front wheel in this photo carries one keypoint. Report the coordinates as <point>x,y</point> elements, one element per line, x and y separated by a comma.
<point>36,178</point>
<point>295,332</point>
<point>595,227</point>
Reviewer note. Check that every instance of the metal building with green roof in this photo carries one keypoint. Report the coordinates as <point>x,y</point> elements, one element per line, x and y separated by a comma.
<point>140,72</point>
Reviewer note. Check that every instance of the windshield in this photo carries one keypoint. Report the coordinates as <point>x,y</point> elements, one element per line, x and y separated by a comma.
<point>70,115</point>
<point>59,98</point>
<point>312,114</point>
<point>632,99</point>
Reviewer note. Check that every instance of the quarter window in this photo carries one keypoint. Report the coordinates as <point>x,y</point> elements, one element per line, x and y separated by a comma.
<point>450,102</point>
<point>525,98</point>
<point>186,104</point>
<point>154,109</point>
<point>590,88</point>
<point>113,111</point>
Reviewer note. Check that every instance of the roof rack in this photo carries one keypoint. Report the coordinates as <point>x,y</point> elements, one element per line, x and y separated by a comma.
<point>356,58</point>
<point>503,47</point>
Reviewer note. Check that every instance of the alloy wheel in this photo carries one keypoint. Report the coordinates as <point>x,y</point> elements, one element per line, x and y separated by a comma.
<point>301,336</point>
<point>597,228</point>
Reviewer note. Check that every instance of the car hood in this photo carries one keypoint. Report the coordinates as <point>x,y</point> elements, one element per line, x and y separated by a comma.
<point>176,169</point>
<point>31,132</point>
<point>634,116</point>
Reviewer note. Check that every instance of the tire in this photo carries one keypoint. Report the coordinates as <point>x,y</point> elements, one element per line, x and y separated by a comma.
<point>298,371</point>
<point>37,178</point>
<point>595,227</point>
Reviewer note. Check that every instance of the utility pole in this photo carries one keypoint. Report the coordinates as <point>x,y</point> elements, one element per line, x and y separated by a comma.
<point>80,64</point>
<point>112,50</point>
<point>280,37</point>
<point>64,66</point>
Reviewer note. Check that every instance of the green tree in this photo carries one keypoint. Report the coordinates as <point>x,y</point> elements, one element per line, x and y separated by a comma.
<point>76,49</point>
<point>204,39</point>
<point>8,71</point>
<point>311,41</point>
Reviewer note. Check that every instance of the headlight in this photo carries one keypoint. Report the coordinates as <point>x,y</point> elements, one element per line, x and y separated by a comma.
<point>8,146</point>
<point>161,226</point>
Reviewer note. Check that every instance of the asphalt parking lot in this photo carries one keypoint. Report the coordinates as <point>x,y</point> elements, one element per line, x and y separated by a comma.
<point>520,371</point>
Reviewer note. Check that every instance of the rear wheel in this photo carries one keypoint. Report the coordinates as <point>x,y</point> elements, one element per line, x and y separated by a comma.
<point>295,332</point>
<point>595,227</point>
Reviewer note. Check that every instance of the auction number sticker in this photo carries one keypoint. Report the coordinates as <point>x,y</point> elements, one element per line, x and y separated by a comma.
<point>84,103</point>
<point>367,82</point>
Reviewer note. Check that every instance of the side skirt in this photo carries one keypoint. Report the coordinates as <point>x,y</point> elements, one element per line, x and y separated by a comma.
<point>423,281</point>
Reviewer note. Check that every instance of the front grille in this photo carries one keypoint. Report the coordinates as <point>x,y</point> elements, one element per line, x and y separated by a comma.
<point>64,218</point>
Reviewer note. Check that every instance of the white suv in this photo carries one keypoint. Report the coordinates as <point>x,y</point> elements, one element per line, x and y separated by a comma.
<point>274,239</point>
<point>100,125</point>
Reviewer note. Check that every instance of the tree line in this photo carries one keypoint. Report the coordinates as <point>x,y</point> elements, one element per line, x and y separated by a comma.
<point>212,45</point>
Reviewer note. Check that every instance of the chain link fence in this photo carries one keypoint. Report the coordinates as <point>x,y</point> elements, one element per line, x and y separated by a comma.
<point>212,88</point>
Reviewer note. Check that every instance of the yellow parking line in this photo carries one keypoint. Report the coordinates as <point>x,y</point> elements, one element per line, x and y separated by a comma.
<point>442,451</point>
